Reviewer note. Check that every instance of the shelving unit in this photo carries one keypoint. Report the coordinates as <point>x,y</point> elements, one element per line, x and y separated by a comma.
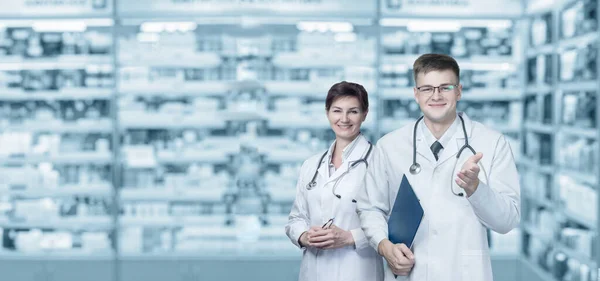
<point>487,79</point>
<point>261,90</point>
<point>561,126</point>
<point>57,84</point>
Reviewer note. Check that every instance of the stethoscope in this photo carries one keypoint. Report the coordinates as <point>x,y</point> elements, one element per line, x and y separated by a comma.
<point>313,181</point>
<point>415,168</point>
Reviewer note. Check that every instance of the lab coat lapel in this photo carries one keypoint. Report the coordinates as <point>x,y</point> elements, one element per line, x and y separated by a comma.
<point>423,148</point>
<point>357,153</point>
<point>324,168</point>
<point>457,141</point>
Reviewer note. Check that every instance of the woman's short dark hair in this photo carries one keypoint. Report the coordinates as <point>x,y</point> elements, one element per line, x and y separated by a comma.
<point>348,89</point>
<point>435,62</point>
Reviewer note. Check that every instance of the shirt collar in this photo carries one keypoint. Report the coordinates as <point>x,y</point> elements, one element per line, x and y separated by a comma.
<point>346,151</point>
<point>430,139</point>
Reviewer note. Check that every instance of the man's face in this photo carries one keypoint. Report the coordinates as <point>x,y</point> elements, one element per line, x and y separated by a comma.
<point>438,104</point>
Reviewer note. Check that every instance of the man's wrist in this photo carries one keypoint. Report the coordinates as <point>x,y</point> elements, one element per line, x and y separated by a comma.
<point>470,191</point>
<point>382,246</point>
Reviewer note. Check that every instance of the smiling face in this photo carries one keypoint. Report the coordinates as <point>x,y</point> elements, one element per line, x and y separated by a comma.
<point>439,105</point>
<point>345,117</point>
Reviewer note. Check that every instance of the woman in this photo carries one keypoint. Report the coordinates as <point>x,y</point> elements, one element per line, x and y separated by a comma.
<point>323,220</point>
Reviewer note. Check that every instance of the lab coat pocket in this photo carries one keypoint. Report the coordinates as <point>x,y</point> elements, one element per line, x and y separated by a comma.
<point>345,215</point>
<point>475,265</point>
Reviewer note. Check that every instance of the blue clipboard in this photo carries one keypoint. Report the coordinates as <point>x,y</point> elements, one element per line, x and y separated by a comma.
<point>406,215</point>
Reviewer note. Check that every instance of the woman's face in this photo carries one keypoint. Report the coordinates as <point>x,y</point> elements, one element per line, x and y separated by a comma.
<point>345,117</point>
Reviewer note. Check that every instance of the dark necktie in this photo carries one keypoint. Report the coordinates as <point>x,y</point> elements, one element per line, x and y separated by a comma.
<point>435,148</point>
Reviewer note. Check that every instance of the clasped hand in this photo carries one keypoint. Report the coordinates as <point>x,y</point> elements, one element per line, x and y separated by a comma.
<point>399,257</point>
<point>332,237</point>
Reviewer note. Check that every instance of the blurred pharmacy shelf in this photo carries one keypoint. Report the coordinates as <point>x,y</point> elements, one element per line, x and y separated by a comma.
<point>561,129</point>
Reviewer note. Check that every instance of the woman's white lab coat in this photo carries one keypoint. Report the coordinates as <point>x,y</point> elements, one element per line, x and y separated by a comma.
<point>451,243</point>
<point>316,206</point>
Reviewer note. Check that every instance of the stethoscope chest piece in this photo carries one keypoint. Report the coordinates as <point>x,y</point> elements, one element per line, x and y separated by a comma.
<point>415,168</point>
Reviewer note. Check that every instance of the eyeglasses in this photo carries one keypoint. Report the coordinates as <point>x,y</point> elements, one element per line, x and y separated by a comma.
<point>428,90</point>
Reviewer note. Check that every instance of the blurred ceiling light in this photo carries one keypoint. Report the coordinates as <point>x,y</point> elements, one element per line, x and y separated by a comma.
<point>310,26</point>
<point>152,27</point>
<point>481,66</point>
<point>433,26</point>
<point>171,27</point>
<point>168,26</point>
<point>59,26</point>
<point>341,27</point>
<point>494,24</point>
<point>322,27</point>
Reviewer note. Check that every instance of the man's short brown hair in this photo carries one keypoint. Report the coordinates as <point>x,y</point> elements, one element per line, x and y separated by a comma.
<point>435,62</point>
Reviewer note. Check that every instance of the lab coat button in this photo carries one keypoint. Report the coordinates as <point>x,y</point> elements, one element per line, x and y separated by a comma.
<point>434,232</point>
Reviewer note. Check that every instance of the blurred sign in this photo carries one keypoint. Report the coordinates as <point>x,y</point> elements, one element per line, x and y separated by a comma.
<point>451,8</point>
<point>55,8</point>
<point>330,8</point>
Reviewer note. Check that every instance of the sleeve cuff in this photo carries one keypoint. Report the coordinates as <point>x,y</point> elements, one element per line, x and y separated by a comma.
<point>360,240</point>
<point>480,196</point>
<point>376,239</point>
<point>295,233</point>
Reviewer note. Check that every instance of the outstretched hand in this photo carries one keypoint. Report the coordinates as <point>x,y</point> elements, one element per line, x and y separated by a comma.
<point>467,177</point>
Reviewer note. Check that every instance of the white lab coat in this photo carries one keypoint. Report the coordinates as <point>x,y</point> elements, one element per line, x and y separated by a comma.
<point>316,206</point>
<point>451,243</point>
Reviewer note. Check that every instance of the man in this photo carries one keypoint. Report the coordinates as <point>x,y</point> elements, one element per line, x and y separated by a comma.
<point>461,197</point>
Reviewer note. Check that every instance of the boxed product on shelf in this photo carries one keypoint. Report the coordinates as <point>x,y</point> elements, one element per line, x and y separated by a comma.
<point>532,109</point>
<point>579,64</point>
<point>548,109</point>
<point>536,186</point>
<point>29,43</point>
<point>538,147</point>
<point>564,267</point>
<point>579,18</point>
<point>49,177</point>
<point>495,113</point>
<point>37,240</point>
<point>579,109</point>
<point>579,240</point>
<point>578,154</point>
<point>579,200</point>
<point>541,30</point>
<point>467,42</point>
<point>540,70</point>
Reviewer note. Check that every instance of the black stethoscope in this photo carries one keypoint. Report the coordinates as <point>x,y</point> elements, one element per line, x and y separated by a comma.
<point>415,168</point>
<point>313,181</point>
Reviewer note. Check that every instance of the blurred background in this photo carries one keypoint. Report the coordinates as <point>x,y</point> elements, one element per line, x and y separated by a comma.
<point>162,139</point>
